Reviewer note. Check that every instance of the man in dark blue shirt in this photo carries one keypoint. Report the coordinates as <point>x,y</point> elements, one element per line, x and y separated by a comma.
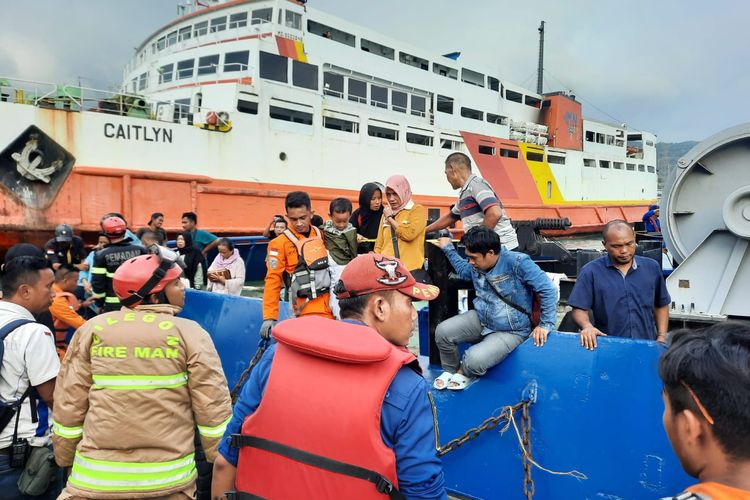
<point>627,293</point>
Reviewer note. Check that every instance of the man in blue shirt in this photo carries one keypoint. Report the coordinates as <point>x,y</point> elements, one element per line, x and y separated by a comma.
<point>626,292</point>
<point>376,291</point>
<point>202,240</point>
<point>505,283</point>
<point>651,219</point>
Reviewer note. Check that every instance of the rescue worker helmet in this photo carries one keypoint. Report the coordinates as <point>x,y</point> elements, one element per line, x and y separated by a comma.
<point>142,276</point>
<point>114,226</point>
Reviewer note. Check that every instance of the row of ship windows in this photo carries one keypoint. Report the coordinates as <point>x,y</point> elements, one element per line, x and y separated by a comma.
<point>617,165</point>
<point>607,139</point>
<point>294,20</point>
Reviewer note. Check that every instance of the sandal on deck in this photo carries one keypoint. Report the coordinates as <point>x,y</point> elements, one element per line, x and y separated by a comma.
<point>443,379</point>
<point>459,382</point>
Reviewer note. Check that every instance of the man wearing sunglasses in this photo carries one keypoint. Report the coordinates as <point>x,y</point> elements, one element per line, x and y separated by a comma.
<point>706,376</point>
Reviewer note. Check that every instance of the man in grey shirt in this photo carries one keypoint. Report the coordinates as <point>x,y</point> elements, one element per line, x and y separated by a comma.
<point>477,203</point>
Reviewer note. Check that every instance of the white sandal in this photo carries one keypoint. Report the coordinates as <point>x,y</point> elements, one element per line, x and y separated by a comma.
<point>461,381</point>
<point>444,378</point>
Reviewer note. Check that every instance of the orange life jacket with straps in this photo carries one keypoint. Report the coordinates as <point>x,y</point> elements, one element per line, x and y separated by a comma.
<point>61,328</point>
<point>316,433</point>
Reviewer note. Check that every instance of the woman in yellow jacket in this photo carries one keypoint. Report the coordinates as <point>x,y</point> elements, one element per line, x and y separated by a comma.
<point>404,219</point>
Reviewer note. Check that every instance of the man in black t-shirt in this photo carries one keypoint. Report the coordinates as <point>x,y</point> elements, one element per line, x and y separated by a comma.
<point>66,248</point>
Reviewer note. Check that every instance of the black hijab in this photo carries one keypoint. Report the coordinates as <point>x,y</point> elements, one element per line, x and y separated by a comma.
<point>365,220</point>
<point>192,257</point>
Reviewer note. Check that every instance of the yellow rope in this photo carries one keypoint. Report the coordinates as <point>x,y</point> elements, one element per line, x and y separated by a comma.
<point>512,420</point>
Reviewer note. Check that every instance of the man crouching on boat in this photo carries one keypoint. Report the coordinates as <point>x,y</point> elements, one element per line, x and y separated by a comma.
<point>706,376</point>
<point>338,409</point>
<point>505,283</point>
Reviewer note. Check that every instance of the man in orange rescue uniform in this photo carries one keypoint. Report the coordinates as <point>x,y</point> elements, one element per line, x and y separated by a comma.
<point>134,385</point>
<point>283,259</point>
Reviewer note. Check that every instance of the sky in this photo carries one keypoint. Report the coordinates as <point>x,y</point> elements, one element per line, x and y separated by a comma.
<point>675,68</point>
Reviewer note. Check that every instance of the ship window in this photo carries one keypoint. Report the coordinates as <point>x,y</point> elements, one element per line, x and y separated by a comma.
<point>166,73</point>
<point>472,77</point>
<point>273,67</point>
<point>142,81</point>
<point>304,75</point>
<point>249,107</point>
<point>262,16</point>
<point>445,71</point>
<point>641,168</point>
<point>604,163</point>
<point>377,49</point>
<point>549,189</point>
<point>451,143</point>
<point>415,61</point>
<point>161,43</point>
<point>134,85</point>
<point>589,136</point>
<point>339,124</point>
<point>472,113</point>
<point>291,115</point>
<point>610,140</point>
<point>185,33</point>
<point>293,20</point>
<point>382,132</point>
<point>333,84</point>
<point>497,119</point>
<point>556,160</point>
<point>200,29</point>
<point>508,153</point>
<point>398,101</point>
<point>630,166</point>
<point>218,24</point>
<point>238,20</point>
<point>533,156</point>
<point>619,142</point>
<point>651,169</point>
<point>650,143</point>
<point>171,38</point>
<point>532,101</point>
<point>422,140</point>
<point>379,96</point>
<point>617,165</point>
<point>153,48</point>
<point>185,69</point>
<point>236,61</point>
<point>182,111</point>
<point>418,105</point>
<point>208,65</point>
<point>599,138</point>
<point>589,162</point>
<point>493,83</point>
<point>330,33</point>
<point>513,96</point>
<point>486,150</point>
<point>357,91</point>
<point>444,104</point>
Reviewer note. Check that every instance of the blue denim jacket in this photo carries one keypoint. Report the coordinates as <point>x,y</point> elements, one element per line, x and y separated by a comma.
<point>515,276</point>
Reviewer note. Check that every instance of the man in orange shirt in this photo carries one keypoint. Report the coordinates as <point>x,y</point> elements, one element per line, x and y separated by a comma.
<point>65,306</point>
<point>706,376</point>
<point>282,260</point>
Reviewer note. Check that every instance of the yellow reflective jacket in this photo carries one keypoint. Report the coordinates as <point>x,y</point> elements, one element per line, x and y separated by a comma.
<point>134,386</point>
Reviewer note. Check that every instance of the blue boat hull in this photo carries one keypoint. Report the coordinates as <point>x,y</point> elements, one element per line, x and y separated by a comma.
<point>598,412</point>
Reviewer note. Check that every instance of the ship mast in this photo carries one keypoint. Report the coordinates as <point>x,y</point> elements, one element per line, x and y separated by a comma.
<point>540,68</point>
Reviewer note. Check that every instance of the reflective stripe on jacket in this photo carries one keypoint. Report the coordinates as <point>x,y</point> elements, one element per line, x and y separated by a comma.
<point>134,386</point>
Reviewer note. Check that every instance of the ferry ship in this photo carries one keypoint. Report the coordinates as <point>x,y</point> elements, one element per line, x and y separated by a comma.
<point>235,103</point>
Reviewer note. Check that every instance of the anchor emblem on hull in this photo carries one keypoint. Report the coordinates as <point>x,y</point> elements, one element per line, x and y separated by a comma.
<point>34,169</point>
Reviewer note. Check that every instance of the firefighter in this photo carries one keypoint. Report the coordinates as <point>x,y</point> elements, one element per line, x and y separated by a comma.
<point>108,259</point>
<point>134,385</point>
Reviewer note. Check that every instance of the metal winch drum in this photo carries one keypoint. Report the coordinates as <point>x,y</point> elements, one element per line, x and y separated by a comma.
<point>706,218</point>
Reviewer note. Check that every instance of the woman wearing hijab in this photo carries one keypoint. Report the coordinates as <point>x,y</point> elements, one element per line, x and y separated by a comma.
<point>405,220</point>
<point>366,219</point>
<point>227,271</point>
<point>195,262</point>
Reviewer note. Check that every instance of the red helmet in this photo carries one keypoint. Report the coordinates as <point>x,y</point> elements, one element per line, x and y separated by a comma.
<point>113,226</point>
<point>143,275</point>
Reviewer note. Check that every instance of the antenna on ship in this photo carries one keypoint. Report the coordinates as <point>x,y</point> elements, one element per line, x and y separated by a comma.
<point>540,68</point>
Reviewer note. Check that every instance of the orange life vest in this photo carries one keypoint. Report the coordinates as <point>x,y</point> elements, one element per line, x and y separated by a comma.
<point>316,433</point>
<point>61,328</point>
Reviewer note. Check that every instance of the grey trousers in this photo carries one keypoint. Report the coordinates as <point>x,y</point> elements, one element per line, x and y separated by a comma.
<point>486,351</point>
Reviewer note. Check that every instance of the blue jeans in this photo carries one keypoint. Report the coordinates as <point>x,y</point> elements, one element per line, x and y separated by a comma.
<point>9,481</point>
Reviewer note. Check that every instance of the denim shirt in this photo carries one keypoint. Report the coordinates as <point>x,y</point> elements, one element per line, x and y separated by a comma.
<point>515,276</point>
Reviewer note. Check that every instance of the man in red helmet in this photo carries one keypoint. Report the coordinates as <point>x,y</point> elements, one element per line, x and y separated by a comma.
<point>109,258</point>
<point>134,386</point>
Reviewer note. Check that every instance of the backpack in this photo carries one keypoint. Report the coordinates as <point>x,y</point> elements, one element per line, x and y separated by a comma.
<point>311,277</point>
<point>8,410</point>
